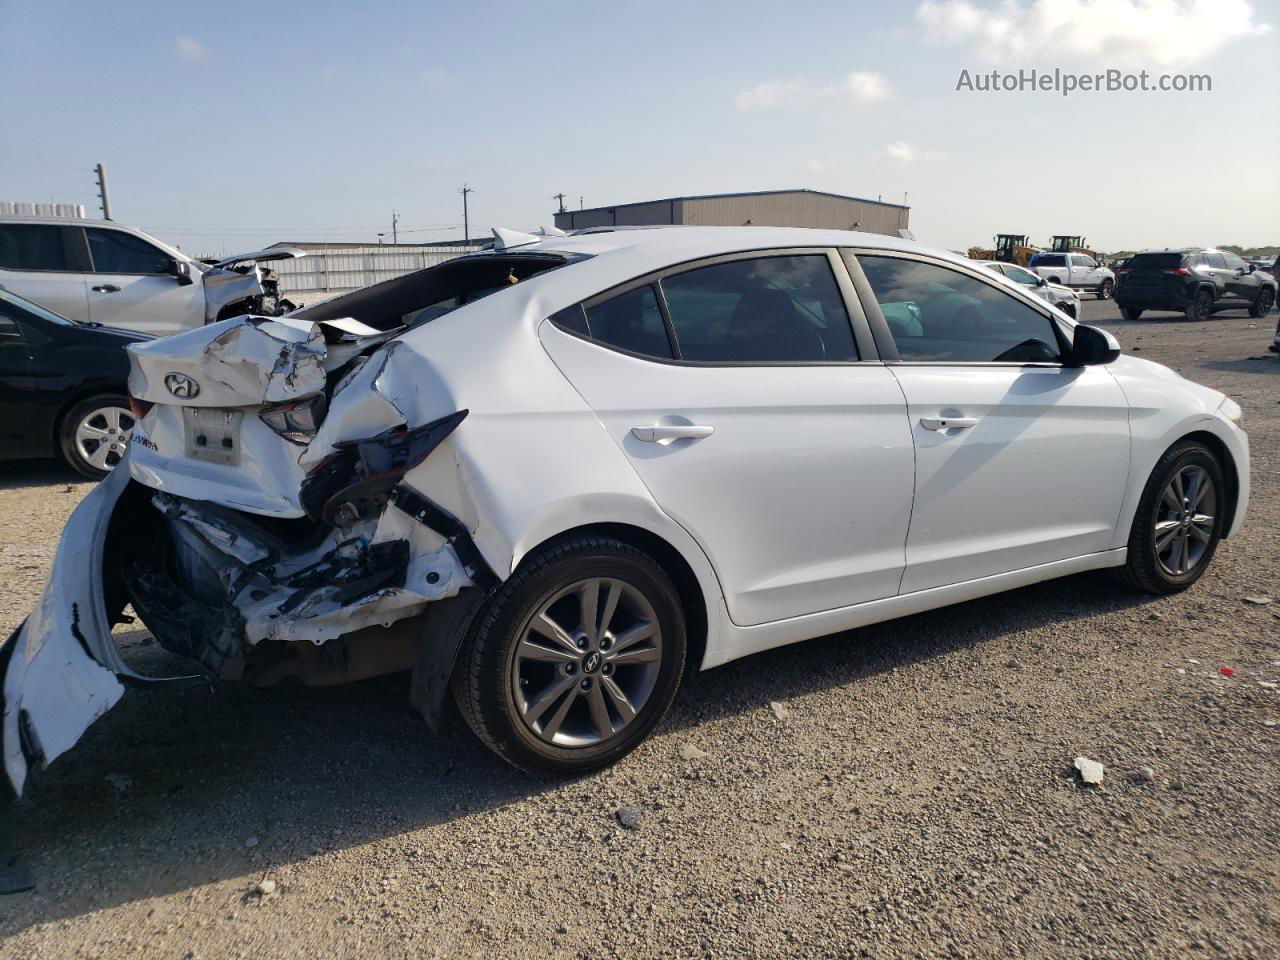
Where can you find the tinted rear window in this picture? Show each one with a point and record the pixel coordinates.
(31, 246)
(1156, 261)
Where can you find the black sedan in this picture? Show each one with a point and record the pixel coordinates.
(63, 387)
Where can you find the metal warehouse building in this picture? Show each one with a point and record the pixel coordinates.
(773, 208)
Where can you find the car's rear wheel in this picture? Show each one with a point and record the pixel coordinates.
(1105, 288)
(95, 434)
(575, 659)
(1131, 313)
(1179, 521)
(1201, 305)
(1068, 308)
(1262, 303)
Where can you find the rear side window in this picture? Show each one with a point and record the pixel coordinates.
(117, 252)
(631, 321)
(31, 246)
(762, 310)
(940, 315)
(1051, 260)
(1155, 261)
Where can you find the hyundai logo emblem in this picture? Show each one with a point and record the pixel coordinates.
(181, 386)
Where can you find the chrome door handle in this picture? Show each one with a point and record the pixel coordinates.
(106, 288)
(948, 423)
(672, 431)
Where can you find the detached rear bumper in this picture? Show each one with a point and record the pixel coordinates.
(61, 666)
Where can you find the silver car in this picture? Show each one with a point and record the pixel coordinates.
(1064, 298)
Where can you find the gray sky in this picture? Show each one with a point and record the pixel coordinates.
(234, 125)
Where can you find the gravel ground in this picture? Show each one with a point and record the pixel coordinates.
(903, 790)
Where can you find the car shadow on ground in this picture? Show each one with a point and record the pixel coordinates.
(16, 474)
(163, 793)
(1263, 363)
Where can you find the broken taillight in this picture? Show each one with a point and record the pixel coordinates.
(296, 420)
(138, 407)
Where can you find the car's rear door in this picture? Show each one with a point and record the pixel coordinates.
(758, 420)
(41, 262)
(1020, 459)
(19, 420)
(132, 285)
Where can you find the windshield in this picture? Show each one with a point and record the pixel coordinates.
(35, 309)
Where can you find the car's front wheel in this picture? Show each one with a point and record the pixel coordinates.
(1131, 313)
(1105, 288)
(1262, 303)
(95, 434)
(1179, 521)
(575, 659)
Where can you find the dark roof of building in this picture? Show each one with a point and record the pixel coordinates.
(718, 196)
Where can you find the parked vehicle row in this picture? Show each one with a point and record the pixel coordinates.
(551, 476)
(1064, 298)
(99, 271)
(1195, 281)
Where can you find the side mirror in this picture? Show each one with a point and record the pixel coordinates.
(1253, 267)
(1091, 347)
(1041, 282)
(182, 270)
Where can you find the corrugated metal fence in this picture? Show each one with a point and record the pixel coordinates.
(338, 270)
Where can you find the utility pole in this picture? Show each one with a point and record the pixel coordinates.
(560, 197)
(102, 192)
(466, 223)
(394, 220)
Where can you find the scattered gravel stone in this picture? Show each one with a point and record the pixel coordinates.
(1014, 665)
(266, 888)
(1090, 771)
(119, 781)
(1143, 775)
(629, 816)
(780, 710)
(1257, 601)
(691, 751)
(251, 842)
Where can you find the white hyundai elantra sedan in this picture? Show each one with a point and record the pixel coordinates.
(552, 476)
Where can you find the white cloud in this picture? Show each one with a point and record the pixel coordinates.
(907, 153)
(189, 49)
(861, 86)
(1128, 34)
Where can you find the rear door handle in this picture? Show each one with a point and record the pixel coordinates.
(672, 431)
(106, 288)
(948, 423)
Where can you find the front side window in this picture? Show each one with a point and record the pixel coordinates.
(31, 246)
(1233, 262)
(1024, 277)
(1080, 260)
(631, 321)
(761, 310)
(937, 314)
(116, 252)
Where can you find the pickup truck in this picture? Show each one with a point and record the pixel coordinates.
(1075, 270)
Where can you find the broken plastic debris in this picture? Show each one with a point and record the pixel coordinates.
(1227, 672)
(1257, 601)
(1091, 771)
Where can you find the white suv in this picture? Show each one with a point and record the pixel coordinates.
(98, 271)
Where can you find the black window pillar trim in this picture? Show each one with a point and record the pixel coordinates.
(877, 326)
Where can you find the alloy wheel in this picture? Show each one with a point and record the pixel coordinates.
(1185, 520)
(1204, 305)
(102, 436)
(1104, 292)
(586, 663)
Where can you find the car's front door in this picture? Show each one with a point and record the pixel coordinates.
(1021, 460)
(1242, 283)
(736, 391)
(133, 286)
(41, 262)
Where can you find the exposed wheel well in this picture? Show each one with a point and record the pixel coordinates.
(1229, 470)
(677, 568)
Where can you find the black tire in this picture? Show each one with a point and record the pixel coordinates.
(1105, 288)
(1131, 313)
(1144, 570)
(1069, 309)
(114, 445)
(1201, 306)
(1262, 304)
(1057, 280)
(483, 684)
